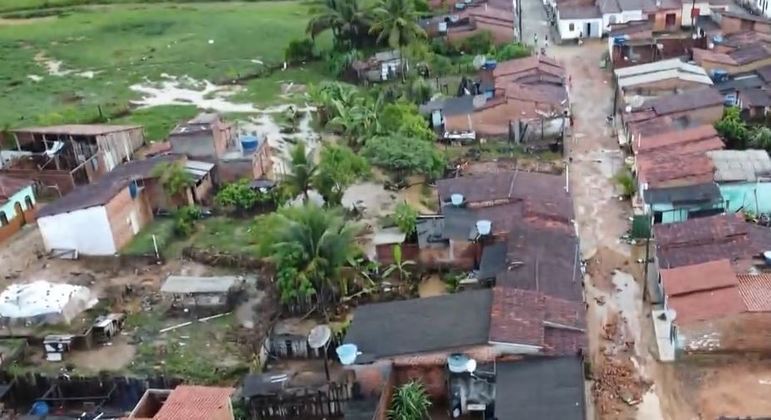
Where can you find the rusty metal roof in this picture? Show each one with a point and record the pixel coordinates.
(77, 129)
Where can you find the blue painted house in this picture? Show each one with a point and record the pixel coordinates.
(744, 179)
(678, 204)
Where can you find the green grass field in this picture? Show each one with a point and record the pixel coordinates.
(132, 43)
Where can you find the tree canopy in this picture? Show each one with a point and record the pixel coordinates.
(405, 155)
(308, 245)
(396, 23)
(339, 167)
(302, 170)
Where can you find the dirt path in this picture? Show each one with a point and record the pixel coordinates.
(616, 314)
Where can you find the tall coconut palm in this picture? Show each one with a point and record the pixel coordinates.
(344, 18)
(396, 22)
(311, 245)
(302, 171)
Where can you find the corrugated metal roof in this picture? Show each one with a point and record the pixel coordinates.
(698, 277)
(77, 129)
(740, 165)
(188, 284)
(755, 290)
(639, 79)
(658, 66)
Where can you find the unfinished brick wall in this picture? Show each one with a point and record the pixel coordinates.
(62, 180)
(127, 214)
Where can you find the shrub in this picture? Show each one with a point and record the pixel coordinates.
(479, 43)
(184, 220)
(300, 50)
(512, 51)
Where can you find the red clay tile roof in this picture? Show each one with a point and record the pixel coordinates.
(698, 277)
(505, 186)
(708, 239)
(675, 169)
(554, 95)
(707, 305)
(511, 69)
(686, 101)
(190, 402)
(532, 318)
(755, 290)
(672, 139)
(10, 186)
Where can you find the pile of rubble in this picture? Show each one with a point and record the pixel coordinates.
(617, 383)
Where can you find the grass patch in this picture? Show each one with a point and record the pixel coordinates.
(159, 121)
(169, 244)
(200, 353)
(265, 90)
(226, 234)
(129, 44)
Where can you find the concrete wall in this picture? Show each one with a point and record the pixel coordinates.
(623, 17)
(730, 25)
(704, 10)
(88, 231)
(127, 216)
(750, 196)
(61, 180)
(20, 197)
(579, 25)
(194, 145)
(660, 22)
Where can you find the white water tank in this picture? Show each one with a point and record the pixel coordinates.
(456, 199)
(484, 227)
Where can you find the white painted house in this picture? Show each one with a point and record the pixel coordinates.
(575, 22)
(620, 11)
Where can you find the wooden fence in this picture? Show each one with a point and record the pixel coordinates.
(305, 404)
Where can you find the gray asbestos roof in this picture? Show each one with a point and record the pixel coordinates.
(185, 284)
(661, 70)
(740, 165)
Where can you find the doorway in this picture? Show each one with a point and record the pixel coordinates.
(588, 30)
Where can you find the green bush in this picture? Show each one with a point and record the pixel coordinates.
(184, 220)
(300, 50)
(479, 43)
(512, 51)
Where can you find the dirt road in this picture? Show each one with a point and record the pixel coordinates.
(621, 362)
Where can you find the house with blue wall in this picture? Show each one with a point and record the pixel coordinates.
(17, 198)
(744, 179)
(678, 204)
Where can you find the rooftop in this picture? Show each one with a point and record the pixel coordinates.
(754, 98)
(569, 11)
(512, 70)
(421, 325)
(686, 101)
(106, 187)
(195, 403)
(77, 129)
(704, 239)
(675, 169)
(755, 290)
(189, 284)
(660, 70)
(699, 193)
(478, 317)
(673, 139)
(540, 388)
(698, 277)
(9, 186)
(706, 305)
(506, 186)
(740, 165)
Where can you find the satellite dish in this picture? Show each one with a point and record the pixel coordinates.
(479, 101)
(479, 61)
(319, 336)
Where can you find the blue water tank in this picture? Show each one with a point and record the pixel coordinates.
(249, 143)
(40, 408)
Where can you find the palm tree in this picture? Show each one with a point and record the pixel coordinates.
(344, 18)
(303, 170)
(310, 245)
(399, 266)
(409, 402)
(396, 22)
(356, 120)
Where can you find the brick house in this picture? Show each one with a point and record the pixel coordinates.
(413, 338)
(208, 138)
(100, 218)
(189, 402)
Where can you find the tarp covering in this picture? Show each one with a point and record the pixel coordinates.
(45, 302)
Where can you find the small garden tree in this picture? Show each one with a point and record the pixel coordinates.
(406, 218)
(237, 197)
(733, 129)
(405, 156)
(409, 402)
(399, 266)
(339, 167)
(302, 170)
(174, 179)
